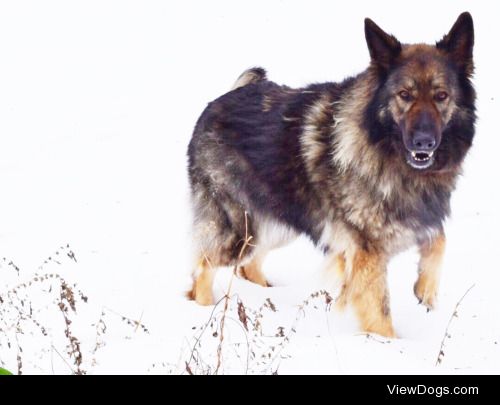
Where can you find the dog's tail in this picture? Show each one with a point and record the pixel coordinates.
(249, 76)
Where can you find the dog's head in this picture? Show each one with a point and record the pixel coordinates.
(424, 104)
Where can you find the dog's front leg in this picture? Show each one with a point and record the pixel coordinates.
(427, 285)
(365, 287)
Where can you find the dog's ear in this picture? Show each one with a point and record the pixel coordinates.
(384, 48)
(459, 42)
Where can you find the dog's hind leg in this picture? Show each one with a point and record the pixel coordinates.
(222, 231)
(227, 253)
(252, 271)
(366, 288)
(270, 235)
(203, 278)
(427, 284)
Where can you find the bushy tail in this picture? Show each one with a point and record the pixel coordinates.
(249, 76)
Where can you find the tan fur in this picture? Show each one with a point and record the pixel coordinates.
(267, 103)
(350, 140)
(203, 279)
(315, 121)
(422, 82)
(253, 271)
(271, 235)
(427, 285)
(337, 266)
(366, 289)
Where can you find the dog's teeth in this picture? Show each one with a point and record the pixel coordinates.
(421, 156)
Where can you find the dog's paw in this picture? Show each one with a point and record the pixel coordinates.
(426, 290)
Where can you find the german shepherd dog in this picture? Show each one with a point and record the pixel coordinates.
(365, 168)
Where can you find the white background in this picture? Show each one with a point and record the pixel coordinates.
(98, 100)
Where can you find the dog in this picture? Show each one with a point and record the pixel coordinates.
(365, 168)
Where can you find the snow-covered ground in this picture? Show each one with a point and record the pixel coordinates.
(97, 103)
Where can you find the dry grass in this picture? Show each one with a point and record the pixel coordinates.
(251, 344)
(447, 334)
(40, 322)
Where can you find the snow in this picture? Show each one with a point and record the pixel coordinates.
(98, 100)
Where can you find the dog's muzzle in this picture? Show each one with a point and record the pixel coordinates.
(421, 153)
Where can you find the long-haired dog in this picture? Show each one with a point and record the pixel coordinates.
(364, 167)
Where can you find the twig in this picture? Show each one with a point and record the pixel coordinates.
(198, 339)
(139, 322)
(63, 359)
(339, 365)
(453, 315)
(237, 322)
(132, 322)
(52, 359)
(19, 350)
(293, 329)
(246, 243)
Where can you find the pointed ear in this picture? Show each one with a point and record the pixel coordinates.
(459, 42)
(384, 48)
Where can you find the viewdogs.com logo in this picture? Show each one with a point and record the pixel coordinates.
(433, 391)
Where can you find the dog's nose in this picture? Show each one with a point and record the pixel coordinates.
(424, 141)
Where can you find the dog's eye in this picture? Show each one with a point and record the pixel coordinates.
(405, 95)
(441, 96)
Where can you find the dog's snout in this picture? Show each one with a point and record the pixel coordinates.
(424, 141)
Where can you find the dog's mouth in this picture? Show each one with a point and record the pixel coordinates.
(420, 160)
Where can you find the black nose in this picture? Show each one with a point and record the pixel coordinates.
(424, 141)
